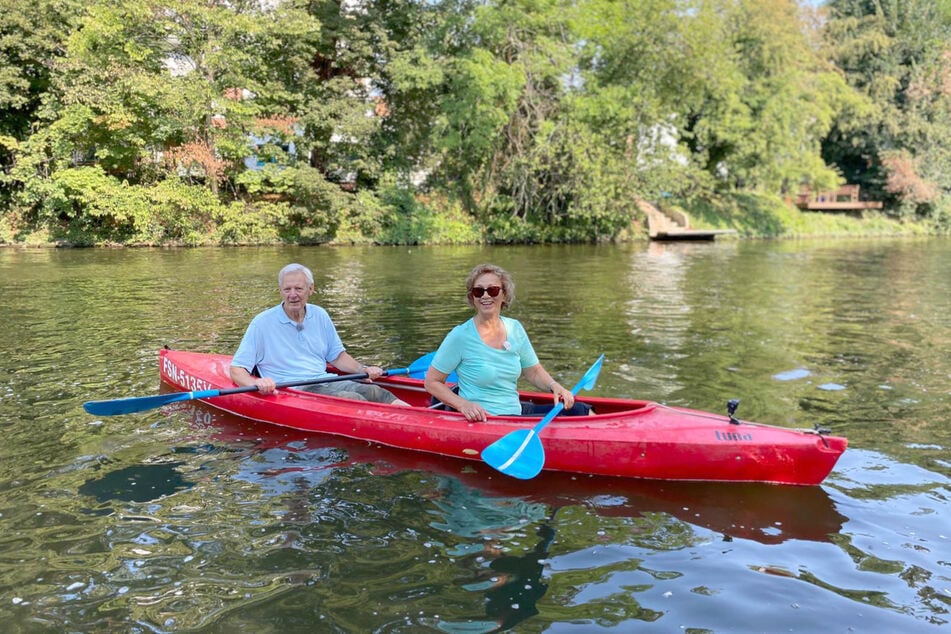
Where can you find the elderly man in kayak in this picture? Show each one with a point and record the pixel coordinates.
(294, 341)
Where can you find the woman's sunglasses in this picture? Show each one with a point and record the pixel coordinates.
(493, 291)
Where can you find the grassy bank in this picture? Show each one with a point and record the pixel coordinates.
(761, 216)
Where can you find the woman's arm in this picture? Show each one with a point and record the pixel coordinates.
(540, 378)
(436, 385)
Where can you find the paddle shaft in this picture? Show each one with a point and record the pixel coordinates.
(142, 403)
(326, 379)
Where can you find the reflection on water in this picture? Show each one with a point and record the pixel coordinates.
(473, 499)
(185, 518)
(139, 483)
(512, 585)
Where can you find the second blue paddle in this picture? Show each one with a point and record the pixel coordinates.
(520, 453)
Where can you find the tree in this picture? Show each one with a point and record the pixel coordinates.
(32, 41)
(152, 91)
(515, 130)
(763, 99)
(898, 55)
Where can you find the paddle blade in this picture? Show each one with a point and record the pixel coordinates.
(519, 454)
(134, 404)
(417, 369)
(590, 377)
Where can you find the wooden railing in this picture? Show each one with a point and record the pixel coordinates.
(845, 198)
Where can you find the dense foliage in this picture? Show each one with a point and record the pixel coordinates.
(402, 121)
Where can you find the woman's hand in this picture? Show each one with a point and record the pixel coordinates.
(436, 385)
(473, 412)
(563, 394)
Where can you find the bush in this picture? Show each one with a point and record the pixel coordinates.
(412, 221)
(84, 205)
(178, 213)
(258, 223)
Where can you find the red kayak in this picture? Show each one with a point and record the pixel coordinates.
(626, 438)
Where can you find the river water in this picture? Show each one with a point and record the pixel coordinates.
(186, 519)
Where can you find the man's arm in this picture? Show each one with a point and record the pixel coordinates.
(347, 364)
(243, 378)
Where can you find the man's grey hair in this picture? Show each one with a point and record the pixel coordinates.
(294, 268)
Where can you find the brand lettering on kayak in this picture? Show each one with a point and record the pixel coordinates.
(184, 379)
(732, 436)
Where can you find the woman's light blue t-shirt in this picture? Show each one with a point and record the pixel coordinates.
(487, 376)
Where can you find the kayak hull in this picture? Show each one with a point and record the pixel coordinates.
(626, 438)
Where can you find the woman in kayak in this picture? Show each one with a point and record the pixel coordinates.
(489, 353)
(294, 341)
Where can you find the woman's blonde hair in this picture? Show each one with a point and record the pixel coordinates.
(508, 284)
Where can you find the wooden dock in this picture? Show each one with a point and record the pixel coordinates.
(847, 198)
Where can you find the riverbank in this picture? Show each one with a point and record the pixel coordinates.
(746, 216)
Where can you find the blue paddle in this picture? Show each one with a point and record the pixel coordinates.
(520, 453)
(130, 405)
